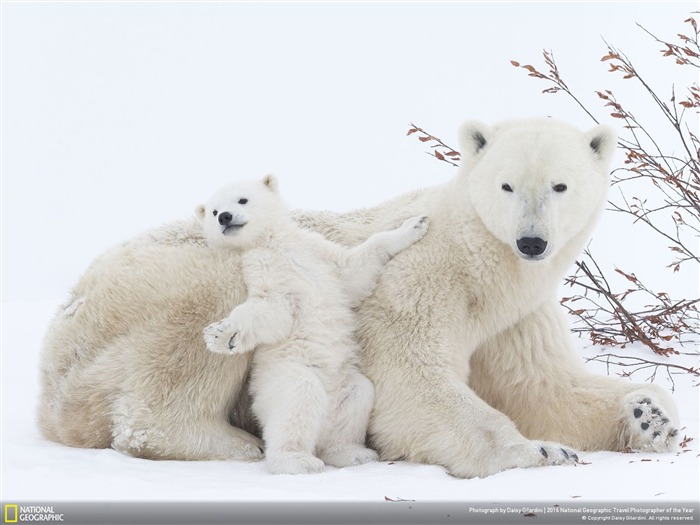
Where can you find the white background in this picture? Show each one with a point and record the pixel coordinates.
(117, 117)
(121, 116)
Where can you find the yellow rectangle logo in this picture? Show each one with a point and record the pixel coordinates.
(10, 511)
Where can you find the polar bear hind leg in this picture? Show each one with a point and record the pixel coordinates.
(530, 373)
(342, 443)
(290, 403)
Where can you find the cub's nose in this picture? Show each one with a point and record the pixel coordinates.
(532, 246)
(225, 218)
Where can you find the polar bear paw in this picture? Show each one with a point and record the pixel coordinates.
(294, 463)
(554, 454)
(411, 231)
(349, 457)
(224, 337)
(519, 454)
(649, 425)
(415, 228)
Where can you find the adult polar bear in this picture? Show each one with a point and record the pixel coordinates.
(463, 336)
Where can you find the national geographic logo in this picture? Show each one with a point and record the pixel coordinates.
(11, 513)
(30, 514)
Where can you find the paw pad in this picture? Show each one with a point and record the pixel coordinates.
(650, 427)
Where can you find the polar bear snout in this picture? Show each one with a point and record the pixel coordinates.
(531, 247)
(230, 223)
(225, 218)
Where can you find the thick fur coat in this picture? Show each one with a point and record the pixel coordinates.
(312, 402)
(463, 336)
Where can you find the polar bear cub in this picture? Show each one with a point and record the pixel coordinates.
(308, 394)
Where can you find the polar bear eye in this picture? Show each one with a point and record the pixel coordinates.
(560, 188)
(214, 213)
(506, 187)
(242, 201)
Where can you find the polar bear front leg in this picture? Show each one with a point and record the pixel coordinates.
(439, 420)
(362, 264)
(257, 321)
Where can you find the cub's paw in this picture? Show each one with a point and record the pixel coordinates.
(554, 453)
(222, 337)
(294, 463)
(415, 227)
(650, 425)
(349, 457)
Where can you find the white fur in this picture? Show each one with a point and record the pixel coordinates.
(463, 338)
(308, 393)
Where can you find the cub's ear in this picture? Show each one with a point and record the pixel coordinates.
(199, 211)
(602, 140)
(271, 182)
(474, 136)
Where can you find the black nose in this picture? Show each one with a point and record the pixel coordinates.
(225, 218)
(532, 246)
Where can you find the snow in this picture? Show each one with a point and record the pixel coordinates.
(39, 470)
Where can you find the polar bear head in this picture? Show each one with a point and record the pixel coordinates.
(536, 184)
(241, 213)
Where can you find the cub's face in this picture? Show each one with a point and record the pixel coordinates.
(536, 185)
(239, 214)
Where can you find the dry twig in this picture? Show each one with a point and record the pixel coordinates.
(672, 211)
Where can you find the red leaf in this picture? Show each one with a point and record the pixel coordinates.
(439, 155)
(516, 64)
(632, 278)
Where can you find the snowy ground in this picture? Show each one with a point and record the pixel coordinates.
(35, 470)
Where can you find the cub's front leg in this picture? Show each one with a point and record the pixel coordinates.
(362, 264)
(257, 321)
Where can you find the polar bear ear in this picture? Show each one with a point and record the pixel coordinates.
(603, 141)
(271, 182)
(473, 137)
(199, 211)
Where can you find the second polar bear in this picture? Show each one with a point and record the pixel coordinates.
(308, 394)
